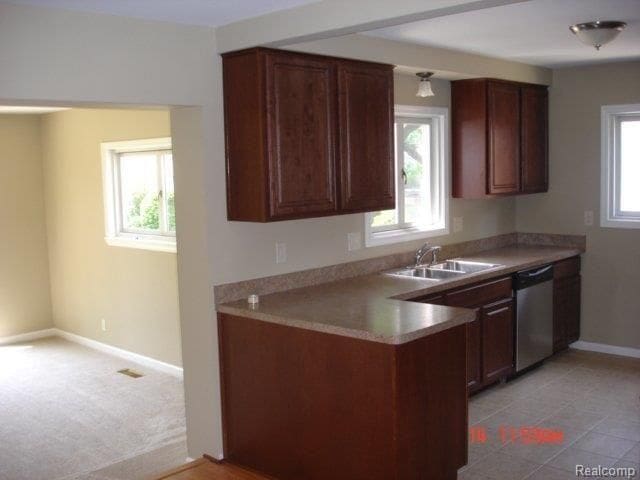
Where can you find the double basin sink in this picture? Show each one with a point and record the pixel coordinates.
(444, 270)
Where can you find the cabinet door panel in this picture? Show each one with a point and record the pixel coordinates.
(534, 125)
(573, 308)
(367, 176)
(503, 102)
(474, 354)
(560, 304)
(301, 134)
(566, 311)
(497, 340)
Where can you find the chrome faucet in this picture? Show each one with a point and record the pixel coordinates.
(424, 250)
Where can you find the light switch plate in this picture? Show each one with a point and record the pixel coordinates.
(281, 252)
(588, 218)
(354, 241)
(457, 224)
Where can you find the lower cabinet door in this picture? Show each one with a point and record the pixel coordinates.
(474, 358)
(566, 311)
(572, 312)
(560, 304)
(497, 340)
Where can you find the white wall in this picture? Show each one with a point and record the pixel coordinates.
(72, 57)
(135, 291)
(611, 265)
(25, 303)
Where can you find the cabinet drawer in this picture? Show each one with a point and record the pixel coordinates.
(481, 294)
(566, 268)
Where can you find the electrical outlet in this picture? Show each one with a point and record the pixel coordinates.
(281, 252)
(354, 241)
(103, 324)
(588, 218)
(457, 224)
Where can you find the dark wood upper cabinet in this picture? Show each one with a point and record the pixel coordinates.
(533, 133)
(504, 138)
(499, 138)
(301, 130)
(366, 137)
(306, 135)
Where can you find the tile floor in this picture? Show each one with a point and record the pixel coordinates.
(593, 399)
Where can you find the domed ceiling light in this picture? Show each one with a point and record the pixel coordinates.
(424, 87)
(597, 33)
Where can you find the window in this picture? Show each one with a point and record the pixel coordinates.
(620, 195)
(139, 195)
(422, 178)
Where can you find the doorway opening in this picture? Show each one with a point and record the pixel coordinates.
(89, 291)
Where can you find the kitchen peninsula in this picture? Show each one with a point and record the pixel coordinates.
(349, 380)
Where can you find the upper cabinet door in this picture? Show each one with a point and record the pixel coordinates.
(503, 104)
(301, 126)
(534, 123)
(367, 179)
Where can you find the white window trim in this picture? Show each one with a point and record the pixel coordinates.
(610, 216)
(440, 118)
(114, 237)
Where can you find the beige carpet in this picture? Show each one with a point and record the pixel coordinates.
(65, 413)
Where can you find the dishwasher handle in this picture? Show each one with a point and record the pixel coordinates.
(529, 278)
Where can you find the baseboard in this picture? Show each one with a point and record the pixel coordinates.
(119, 352)
(604, 348)
(28, 337)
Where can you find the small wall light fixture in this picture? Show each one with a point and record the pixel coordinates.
(424, 87)
(597, 33)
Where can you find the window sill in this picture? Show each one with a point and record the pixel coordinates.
(142, 244)
(404, 235)
(618, 222)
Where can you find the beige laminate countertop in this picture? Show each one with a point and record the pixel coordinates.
(374, 307)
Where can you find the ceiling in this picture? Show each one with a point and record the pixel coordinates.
(191, 12)
(534, 32)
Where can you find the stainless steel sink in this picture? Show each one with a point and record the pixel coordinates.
(429, 273)
(444, 270)
(464, 266)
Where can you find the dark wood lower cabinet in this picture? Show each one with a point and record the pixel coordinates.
(572, 320)
(566, 303)
(299, 404)
(474, 357)
(490, 338)
(566, 312)
(497, 340)
(490, 351)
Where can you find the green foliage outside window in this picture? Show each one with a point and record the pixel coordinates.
(145, 211)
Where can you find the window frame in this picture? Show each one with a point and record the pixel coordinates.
(115, 232)
(439, 123)
(610, 214)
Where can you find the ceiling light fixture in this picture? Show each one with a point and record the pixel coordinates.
(597, 33)
(424, 87)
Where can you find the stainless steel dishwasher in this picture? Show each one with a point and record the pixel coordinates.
(534, 321)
